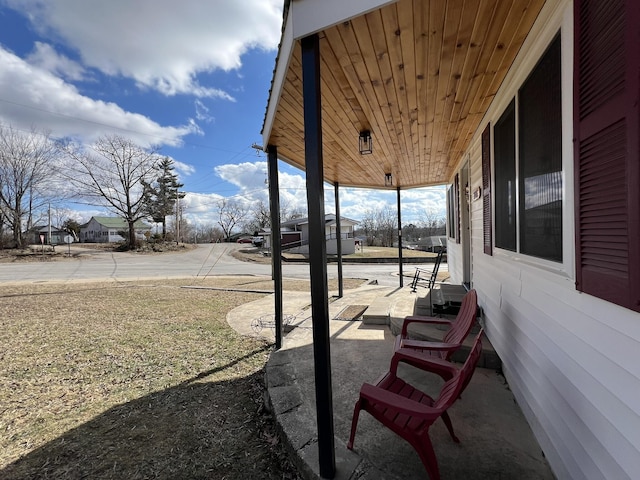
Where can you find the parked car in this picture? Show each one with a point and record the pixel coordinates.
(244, 240)
(257, 241)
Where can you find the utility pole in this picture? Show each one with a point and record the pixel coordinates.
(49, 223)
(177, 217)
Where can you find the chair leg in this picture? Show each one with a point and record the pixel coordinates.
(431, 301)
(354, 424)
(447, 421)
(424, 447)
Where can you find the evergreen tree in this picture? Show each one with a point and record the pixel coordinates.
(161, 194)
(73, 227)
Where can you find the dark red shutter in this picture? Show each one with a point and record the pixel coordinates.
(486, 191)
(450, 213)
(607, 150)
(456, 193)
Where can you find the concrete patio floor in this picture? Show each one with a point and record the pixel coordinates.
(496, 441)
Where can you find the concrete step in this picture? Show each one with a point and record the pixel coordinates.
(395, 305)
(445, 297)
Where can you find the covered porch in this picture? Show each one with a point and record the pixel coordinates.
(496, 441)
(383, 95)
(529, 112)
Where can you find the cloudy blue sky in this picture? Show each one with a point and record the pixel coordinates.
(188, 77)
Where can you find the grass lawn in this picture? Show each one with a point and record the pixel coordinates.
(132, 380)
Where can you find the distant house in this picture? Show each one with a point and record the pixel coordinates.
(432, 244)
(40, 235)
(106, 230)
(294, 235)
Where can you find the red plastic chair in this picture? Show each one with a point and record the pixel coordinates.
(453, 337)
(409, 412)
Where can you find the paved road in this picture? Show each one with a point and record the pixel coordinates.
(207, 259)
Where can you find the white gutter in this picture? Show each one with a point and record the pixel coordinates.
(284, 57)
(311, 16)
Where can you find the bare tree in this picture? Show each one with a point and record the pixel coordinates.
(368, 226)
(211, 233)
(259, 216)
(188, 230)
(230, 214)
(409, 232)
(431, 222)
(111, 174)
(59, 215)
(379, 226)
(27, 162)
(289, 212)
(4, 225)
(387, 225)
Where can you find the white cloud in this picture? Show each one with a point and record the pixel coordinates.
(354, 202)
(418, 202)
(200, 203)
(202, 112)
(45, 57)
(184, 169)
(83, 213)
(33, 96)
(161, 44)
(248, 177)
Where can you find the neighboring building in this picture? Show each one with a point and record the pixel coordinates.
(294, 235)
(431, 244)
(57, 235)
(106, 230)
(536, 132)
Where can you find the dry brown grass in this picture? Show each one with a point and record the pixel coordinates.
(132, 380)
(46, 253)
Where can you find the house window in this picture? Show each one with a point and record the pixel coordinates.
(528, 173)
(453, 209)
(504, 140)
(487, 230)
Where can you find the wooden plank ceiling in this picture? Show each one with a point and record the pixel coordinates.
(418, 74)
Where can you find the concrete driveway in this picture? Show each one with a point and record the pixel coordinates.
(205, 260)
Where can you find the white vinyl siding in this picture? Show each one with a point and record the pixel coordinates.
(570, 359)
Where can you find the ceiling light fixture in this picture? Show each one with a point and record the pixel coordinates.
(365, 142)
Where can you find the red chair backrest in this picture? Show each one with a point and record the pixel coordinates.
(465, 319)
(452, 389)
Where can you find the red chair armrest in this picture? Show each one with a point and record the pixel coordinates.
(396, 402)
(417, 359)
(425, 345)
(422, 319)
